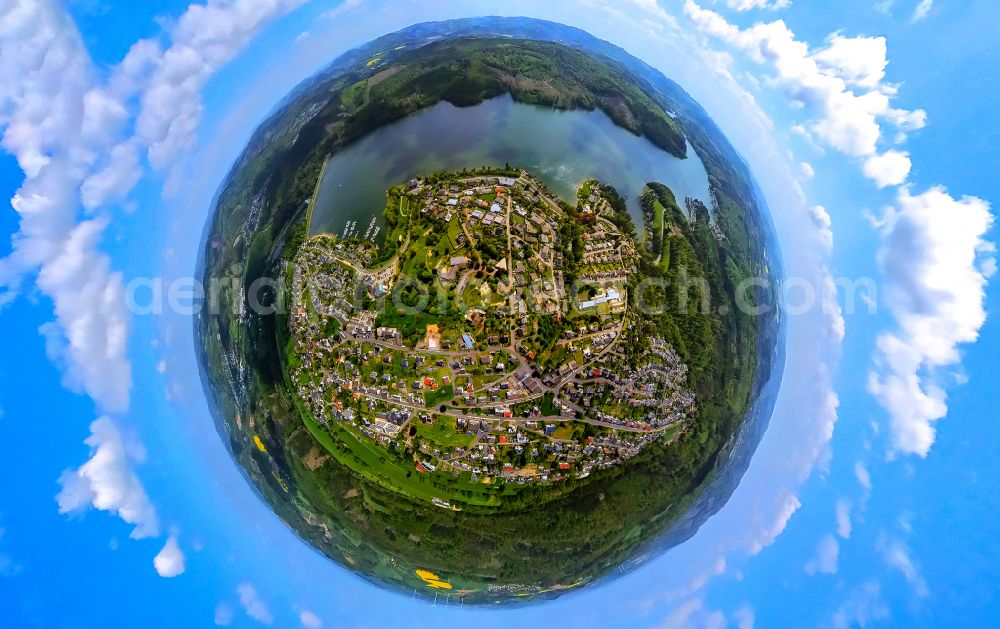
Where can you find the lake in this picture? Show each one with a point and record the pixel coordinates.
(562, 148)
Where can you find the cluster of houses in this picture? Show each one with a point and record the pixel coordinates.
(604, 245)
(650, 396)
(527, 452)
(449, 201)
(379, 390)
(538, 265)
(364, 376)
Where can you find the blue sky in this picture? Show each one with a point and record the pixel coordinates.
(861, 506)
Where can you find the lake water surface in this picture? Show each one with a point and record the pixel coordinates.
(563, 148)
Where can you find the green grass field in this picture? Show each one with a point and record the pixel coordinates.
(443, 433)
(381, 469)
(658, 217)
(442, 395)
(672, 431)
(563, 432)
(548, 407)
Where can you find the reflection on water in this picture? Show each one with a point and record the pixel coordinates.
(561, 147)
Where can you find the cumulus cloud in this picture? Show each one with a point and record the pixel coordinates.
(897, 556)
(107, 482)
(64, 128)
(864, 606)
(252, 605)
(51, 117)
(115, 179)
(694, 613)
(807, 170)
(342, 8)
(883, 6)
(169, 562)
(310, 620)
(821, 221)
(843, 518)
(746, 5)
(223, 615)
(744, 617)
(887, 169)
(203, 39)
(650, 7)
(825, 561)
(921, 10)
(932, 249)
(70, 134)
(8, 567)
(840, 86)
(859, 61)
(932, 254)
(90, 306)
(863, 477)
(787, 505)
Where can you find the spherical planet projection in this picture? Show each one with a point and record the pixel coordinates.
(492, 311)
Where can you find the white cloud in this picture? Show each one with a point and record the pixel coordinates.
(65, 130)
(787, 505)
(825, 561)
(342, 8)
(693, 613)
(45, 74)
(203, 39)
(62, 127)
(802, 131)
(252, 605)
(843, 518)
(807, 170)
(651, 7)
(859, 61)
(864, 606)
(114, 181)
(104, 116)
(815, 451)
(310, 620)
(921, 10)
(90, 308)
(840, 86)
(883, 6)
(897, 555)
(863, 477)
(108, 483)
(51, 117)
(888, 169)
(836, 325)
(746, 5)
(744, 617)
(169, 562)
(223, 615)
(821, 220)
(932, 250)
(932, 254)
(8, 567)
(988, 267)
